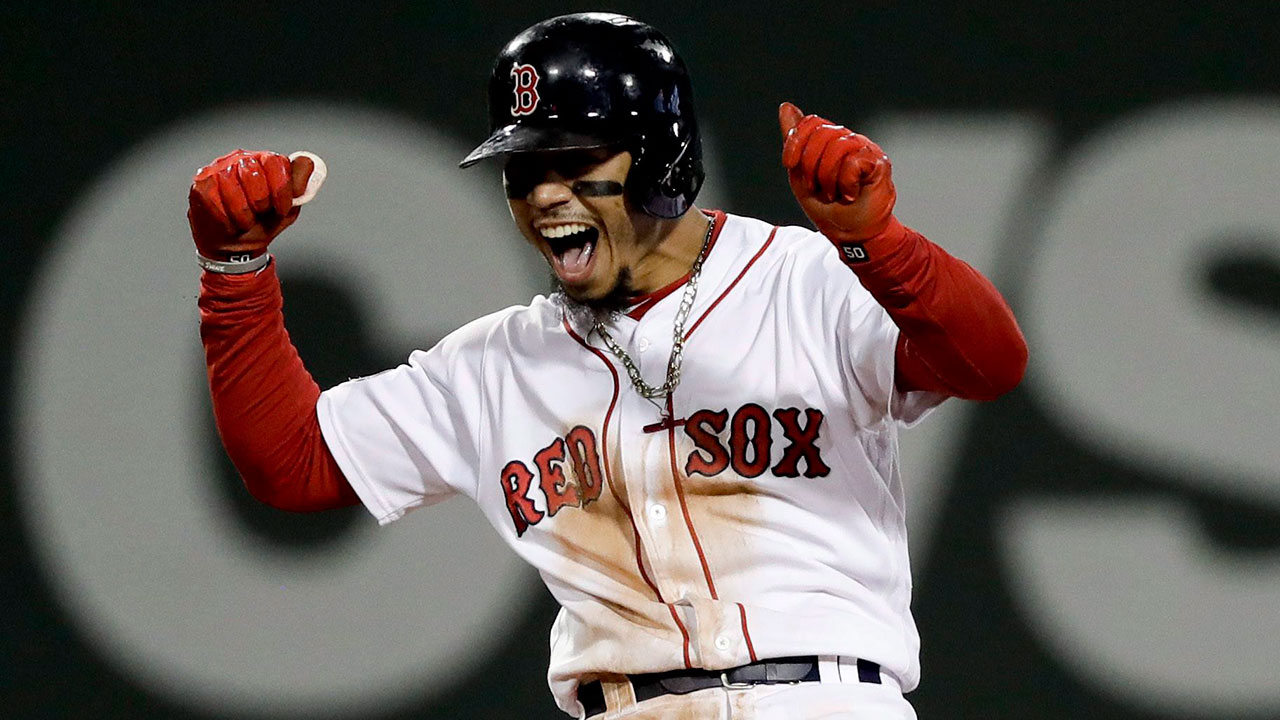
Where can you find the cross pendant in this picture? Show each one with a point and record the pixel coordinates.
(666, 423)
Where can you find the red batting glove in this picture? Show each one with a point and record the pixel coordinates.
(842, 180)
(243, 200)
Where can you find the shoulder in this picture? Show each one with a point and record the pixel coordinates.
(805, 245)
(788, 248)
(783, 240)
(459, 359)
(502, 329)
(795, 263)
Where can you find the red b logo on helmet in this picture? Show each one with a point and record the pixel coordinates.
(526, 89)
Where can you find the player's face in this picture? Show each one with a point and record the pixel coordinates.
(571, 206)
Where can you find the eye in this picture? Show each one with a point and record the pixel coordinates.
(576, 163)
(523, 172)
(520, 177)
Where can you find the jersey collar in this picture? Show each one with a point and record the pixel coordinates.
(646, 302)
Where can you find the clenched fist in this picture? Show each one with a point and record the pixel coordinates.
(842, 180)
(239, 203)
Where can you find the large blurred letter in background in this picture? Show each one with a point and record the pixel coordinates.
(1143, 363)
(149, 559)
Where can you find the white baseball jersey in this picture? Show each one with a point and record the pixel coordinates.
(765, 521)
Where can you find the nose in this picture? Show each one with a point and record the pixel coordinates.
(550, 191)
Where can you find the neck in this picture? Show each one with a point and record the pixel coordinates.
(675, 245)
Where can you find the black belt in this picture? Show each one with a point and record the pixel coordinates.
(680, 682)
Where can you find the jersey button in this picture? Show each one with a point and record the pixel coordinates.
(723, 642)
(642, 344)
(658, 513)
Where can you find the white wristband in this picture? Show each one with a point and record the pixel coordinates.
(234, 266)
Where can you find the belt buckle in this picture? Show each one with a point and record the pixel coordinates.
(724, 681)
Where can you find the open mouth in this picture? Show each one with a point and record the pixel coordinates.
(573, 248)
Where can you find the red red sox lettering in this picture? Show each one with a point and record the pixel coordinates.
(749, 452)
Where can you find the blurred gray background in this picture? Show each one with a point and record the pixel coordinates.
(1104, 542)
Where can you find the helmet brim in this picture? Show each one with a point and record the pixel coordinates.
(516, 138)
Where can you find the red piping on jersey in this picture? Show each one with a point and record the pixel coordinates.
(733, 284)
(684, 508)
(608, 477)
(608, 474)
(746, 633)
(687, 663)
(645, 302)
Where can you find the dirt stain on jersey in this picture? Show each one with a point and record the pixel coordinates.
(601, 536)
(725, 512)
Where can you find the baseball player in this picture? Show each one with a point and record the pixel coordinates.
(693, 440)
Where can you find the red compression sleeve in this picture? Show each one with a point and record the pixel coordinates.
(959, 337)
(264, 400)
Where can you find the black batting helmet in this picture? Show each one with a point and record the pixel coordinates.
(593, 80)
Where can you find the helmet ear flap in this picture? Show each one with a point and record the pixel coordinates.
(670, 194)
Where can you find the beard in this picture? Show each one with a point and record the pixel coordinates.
(617, 300)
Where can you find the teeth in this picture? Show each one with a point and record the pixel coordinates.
(559, 231)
